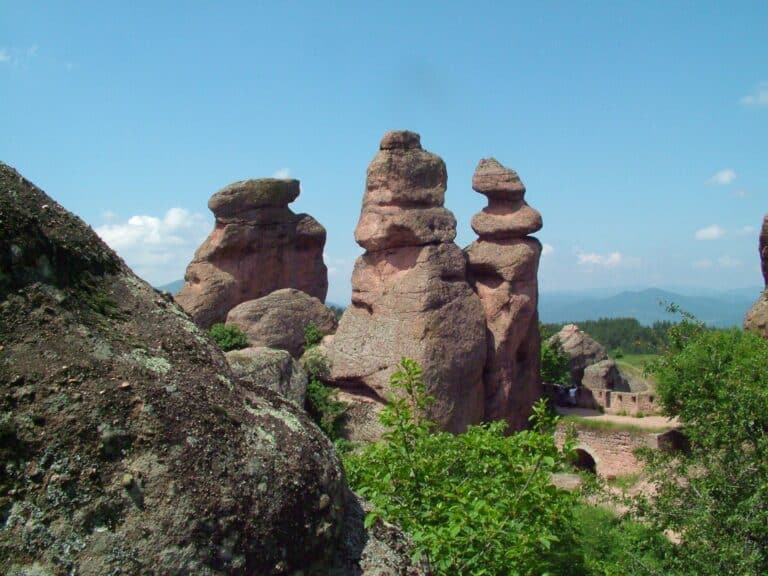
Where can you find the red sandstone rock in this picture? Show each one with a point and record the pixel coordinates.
(258, 245)
(581, 348)
(756, 319)
(278, 320)
(410, 295)
(503, 267)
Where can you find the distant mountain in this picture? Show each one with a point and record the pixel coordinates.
(648, 306)
(722, 309)
(172, 287)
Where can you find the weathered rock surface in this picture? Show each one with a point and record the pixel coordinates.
(278, 320)
(270, 368)
(127, 444)
(410, 296)
(258, 245)
(756, 319)
(581, 348)
(605, 375)
(502, 267)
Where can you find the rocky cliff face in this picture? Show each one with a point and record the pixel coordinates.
(757, 316)
(503, 266)
(410, 296)
(127, 444)
(258, 245)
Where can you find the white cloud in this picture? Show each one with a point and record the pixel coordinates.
(728, 262)
(710, 233)
(746, 231)
(723, 177)
(4, 55)
(158, 249)
(282, 173)
(720, 263)
(757, 98)
(741, 193)
(547, 249)
(605, 260)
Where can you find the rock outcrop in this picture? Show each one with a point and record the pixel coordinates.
(581, 348)
(127, 444)
(278, 320)
(258, 245)
(270, 368)
(605, 375)
(756, 319)
(503, 266)
(410, 296)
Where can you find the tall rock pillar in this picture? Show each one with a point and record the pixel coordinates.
(410, 295)
(502, 268)
(257, 246)
(756, 319)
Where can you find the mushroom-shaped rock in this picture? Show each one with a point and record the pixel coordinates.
(410, 296)
(258, 245)
(502, 268)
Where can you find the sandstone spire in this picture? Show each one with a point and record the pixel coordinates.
(258, 245)
(502, 268)
(757, 316)
(410, 296)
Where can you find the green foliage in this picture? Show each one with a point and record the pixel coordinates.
(323, 408)
(321, 403)
(614, 546)
(479, 502)
(312, 335)
(715, 496)
(228, 337)
(624, 334)
(554, 363)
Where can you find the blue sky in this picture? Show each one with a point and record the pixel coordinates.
(639, 128)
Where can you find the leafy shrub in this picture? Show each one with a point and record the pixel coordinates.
(228, 337)
(312, 336)
(479, 502)
(321, 403)
(554, 364)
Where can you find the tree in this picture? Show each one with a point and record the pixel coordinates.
(554, 363)
(714, 496)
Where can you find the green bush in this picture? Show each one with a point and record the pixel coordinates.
(312, 336)
(228, 337)
(480, 502)
(554, 364)
(321, 403)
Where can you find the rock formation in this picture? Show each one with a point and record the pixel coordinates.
(270, 368)
(410, 296)
(756, 319)
(581, 348)
(503, 266)
(605, 375)
(258, 245)
(127, 444)
(278, 320)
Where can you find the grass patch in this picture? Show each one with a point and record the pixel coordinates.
(625, 481)
(596, 424)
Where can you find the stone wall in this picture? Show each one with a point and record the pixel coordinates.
(612, 450)
(609, 401)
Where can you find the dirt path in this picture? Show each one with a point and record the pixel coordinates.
(648, 422)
